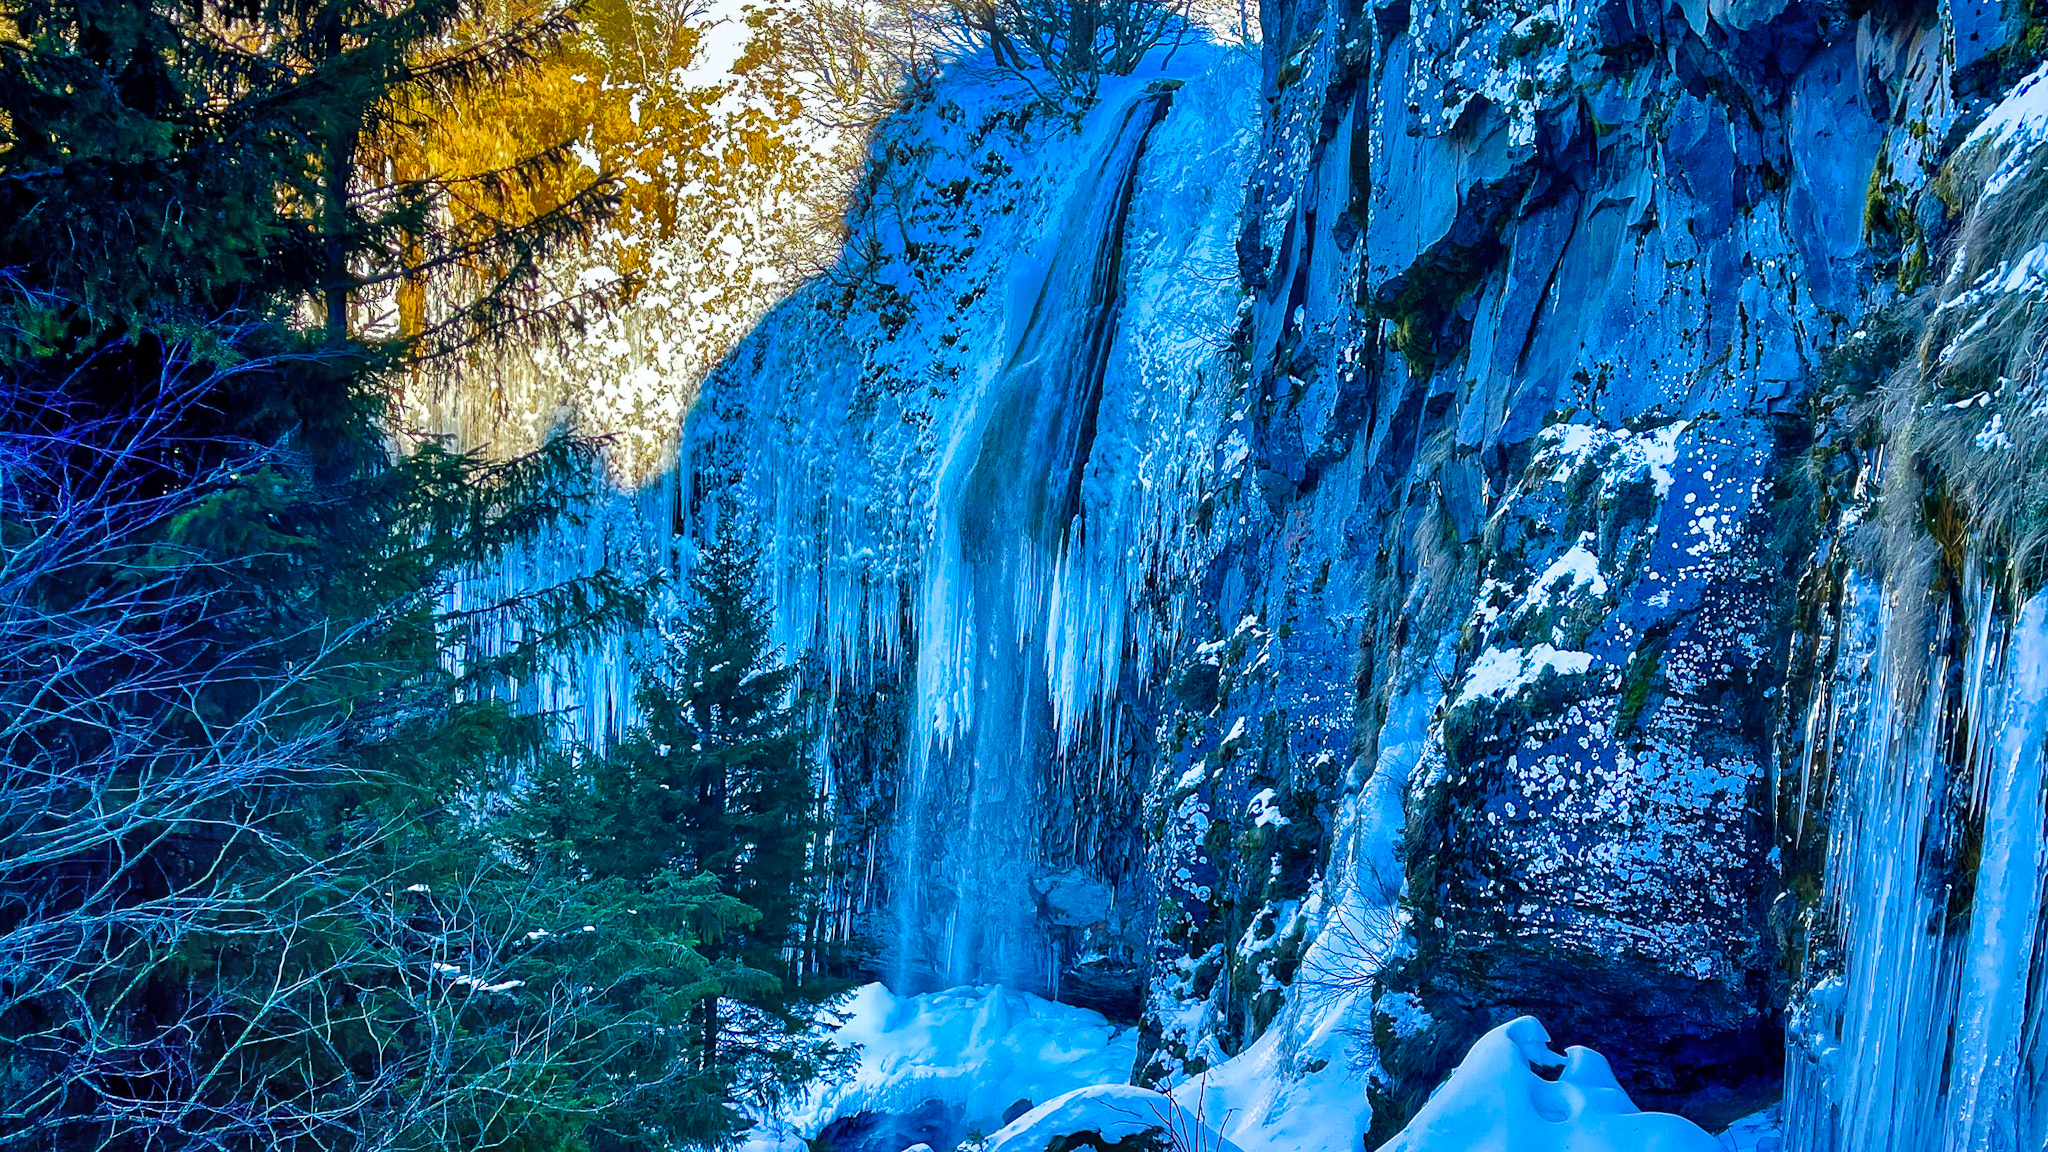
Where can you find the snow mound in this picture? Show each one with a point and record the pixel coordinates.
(981, 1049)
(1496, 1102)
(1112, 1113)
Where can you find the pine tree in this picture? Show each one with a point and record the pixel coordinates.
(718, 781)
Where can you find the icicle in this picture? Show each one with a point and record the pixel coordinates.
(1928, 1037)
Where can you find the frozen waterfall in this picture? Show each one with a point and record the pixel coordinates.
(973, 454)
(1007, 505)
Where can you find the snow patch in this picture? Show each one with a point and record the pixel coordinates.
(1503, 673)
(979, 1048)
(1577, 569)
(1264, 809)
(1497, 1102)
(1563, 448)
(2019, 123)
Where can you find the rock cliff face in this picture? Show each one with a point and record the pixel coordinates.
(1548, 293)
(1550, 284)
(1421, 611)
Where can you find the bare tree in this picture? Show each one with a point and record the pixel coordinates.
(1360, 932)
(1064, 48)
(188, 957)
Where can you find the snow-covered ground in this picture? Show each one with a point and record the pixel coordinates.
(1113, 1113)
(989, 1050)
(981, 1049)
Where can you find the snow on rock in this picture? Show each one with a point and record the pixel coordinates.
(1577, 568)
(1113, 1113)
(1503, 673)
(1298, 1088)
(1496, 1101)
(981, 1049)
(1563, 448)
(2018, 124)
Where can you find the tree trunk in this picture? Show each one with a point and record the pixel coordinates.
(708, 1012)
(340, 159)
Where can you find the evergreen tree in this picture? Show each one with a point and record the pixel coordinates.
(247, 899)
(718, 782)
(192, 166)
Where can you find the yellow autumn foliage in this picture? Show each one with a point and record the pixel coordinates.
(729, 139)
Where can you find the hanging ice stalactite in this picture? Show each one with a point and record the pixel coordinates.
(1927, 1033)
